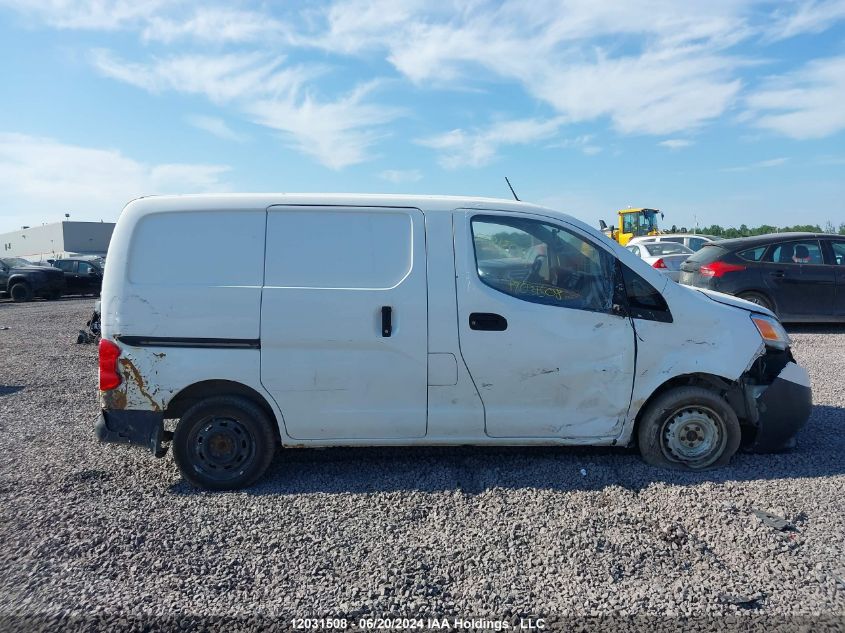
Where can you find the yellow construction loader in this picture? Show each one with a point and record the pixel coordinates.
(632, 223)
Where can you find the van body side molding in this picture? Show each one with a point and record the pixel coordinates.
(170, 341)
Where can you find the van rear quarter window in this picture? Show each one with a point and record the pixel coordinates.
(345, 248)
(201, 248)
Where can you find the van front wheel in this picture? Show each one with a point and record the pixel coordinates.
(223, 443)
(689, 428)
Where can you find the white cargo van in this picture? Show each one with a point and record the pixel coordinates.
(324, 320)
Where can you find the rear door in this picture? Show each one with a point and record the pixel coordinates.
(88, 278)
(802, 285)
(547, 355)
(344, 321)
(69, 268)
(837, 260)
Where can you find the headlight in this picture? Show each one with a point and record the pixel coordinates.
(772, 331)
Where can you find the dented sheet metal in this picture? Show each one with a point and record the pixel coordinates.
(782, 409)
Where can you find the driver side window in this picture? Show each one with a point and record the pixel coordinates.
(542, 263)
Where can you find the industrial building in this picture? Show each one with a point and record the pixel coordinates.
(57, 240)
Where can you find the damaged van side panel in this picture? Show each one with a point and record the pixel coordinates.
(699, 343)
(152, 376)
(174, 285)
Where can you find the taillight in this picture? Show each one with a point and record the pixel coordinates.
(659, 264)
(717, 269)
(109, 353)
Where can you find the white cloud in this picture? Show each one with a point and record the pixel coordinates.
(476, 148)
(106, 15)
(805, 104)
(42, 179)
(216, 24)
(221, 78)
(399, 176)
(584, 143)
(806, 17)
(763, 164)
(556, 51)
(675, 143)
(337, 133)
(215, 126)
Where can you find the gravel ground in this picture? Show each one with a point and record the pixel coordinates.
(100, 535)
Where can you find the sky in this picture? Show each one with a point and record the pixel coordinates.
(726, 111)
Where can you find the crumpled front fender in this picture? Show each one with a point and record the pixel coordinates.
(781, 408)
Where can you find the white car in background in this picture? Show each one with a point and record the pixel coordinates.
(693, 241)
(666, 257)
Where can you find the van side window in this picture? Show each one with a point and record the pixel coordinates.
(644, 302)
(542, 263)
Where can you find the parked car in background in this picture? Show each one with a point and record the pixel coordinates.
(82, 276)
(692, 241)
(798, 276)
(664, 256)
(23, 281)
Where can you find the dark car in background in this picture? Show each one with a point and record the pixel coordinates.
(23, 281)
(799, 276)
(83, 276)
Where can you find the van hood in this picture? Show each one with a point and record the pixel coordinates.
(735, 302)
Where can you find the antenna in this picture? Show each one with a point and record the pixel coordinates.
(515, 197)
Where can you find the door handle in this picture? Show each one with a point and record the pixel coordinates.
(778, 273)
(487, 321)
(386, 321)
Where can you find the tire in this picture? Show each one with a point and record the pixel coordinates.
(759, 299)
(20, 292)
(224, 443)
(689, 428)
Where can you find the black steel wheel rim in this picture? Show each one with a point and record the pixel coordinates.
(221, 448)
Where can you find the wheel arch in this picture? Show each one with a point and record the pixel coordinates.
(728, 389)
(763, 292)
(199, 391)
(15, 279)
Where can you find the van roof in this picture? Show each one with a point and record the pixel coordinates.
(235, 201)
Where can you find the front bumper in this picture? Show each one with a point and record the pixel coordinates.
(138, 428)
(781, 408)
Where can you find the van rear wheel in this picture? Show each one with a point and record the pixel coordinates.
(689, 428)
(224, 443)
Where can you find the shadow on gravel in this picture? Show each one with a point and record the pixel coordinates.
(473, 470)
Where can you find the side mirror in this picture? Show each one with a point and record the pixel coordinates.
(602, 225)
